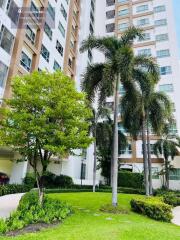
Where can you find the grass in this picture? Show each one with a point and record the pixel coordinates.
(88, 222)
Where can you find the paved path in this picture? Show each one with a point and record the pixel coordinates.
(8, 204)
(176, 214)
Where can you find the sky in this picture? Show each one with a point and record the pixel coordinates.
(177, 20)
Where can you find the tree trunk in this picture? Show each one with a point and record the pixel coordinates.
(95, 160)
(40, 188)
(115, 145)
(149, 160)
(166, 174)
(145, 160)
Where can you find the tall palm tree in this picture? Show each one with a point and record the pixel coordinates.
(146, 108)
(168, 146)
(105, 78)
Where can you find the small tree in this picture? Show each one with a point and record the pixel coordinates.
(46, 116)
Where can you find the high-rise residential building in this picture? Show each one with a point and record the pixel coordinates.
(43, 35)
(156, 18)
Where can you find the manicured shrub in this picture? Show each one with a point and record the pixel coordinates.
(130, 179)
(13, 188)
(51, 180)
(152, 207)
(30, 211)
(63, 181)
(172, 199)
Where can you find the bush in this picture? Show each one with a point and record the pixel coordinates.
(30, 211)
(51, 180)
(170, 197)
(30, 180)
(130, 179)
(152, 207)
(13, 188)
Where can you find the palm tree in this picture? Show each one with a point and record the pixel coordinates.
(142, 109)
(105, 78)
(168, 146)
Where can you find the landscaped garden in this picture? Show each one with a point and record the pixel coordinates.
(88, 222)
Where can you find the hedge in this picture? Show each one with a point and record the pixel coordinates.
(170, 197)
(130, 179)
(13, 188)
(152, 207)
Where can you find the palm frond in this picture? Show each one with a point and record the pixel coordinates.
(130, 35)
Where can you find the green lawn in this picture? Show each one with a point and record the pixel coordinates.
(87, 223)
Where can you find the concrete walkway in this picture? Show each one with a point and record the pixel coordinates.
(176, 214)
(8, 204)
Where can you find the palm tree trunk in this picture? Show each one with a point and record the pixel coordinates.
(115, 145)
(145, 160)
(149, 159)
(166, 174)
(95, 160)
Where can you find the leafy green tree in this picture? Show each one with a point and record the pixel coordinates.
(168, 147)
(104, 78)
(46, 116)
(144, 108)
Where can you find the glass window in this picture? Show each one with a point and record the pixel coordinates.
(174, 174)
(160, 8)
(142, 8)
(25, 61)
(163, 53)
(162, 37)
(30, 34)
(6, 39)
(45, 53)
(123, 12)
(161, 22)
(123, 26)
(166, 88)
(2, 2)
(155, 172)
(146, 37)
(56, 65)
(48, 31)
(146, 52)
(165, 70)
(3, 73)
(59, 48)
(63, 11)
(62, 29)
(51, 11)
(143, 22)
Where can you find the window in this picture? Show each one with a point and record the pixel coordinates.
(166, 88)
(163, 53)
(63, 11)
(173, 128)
(162, 37)
(161, 8)
(123, 26)
(6, 39)
(174, 174)
(123, 1)
(121, 128)
(45, 53)
(83, 171)
(25, 61)
(30, 34)
(61, 29)
(142, 8)
(48, 31)
(110, 3)
(146, 37)
(110, 27)
(34, 10)
(143, 22)
(155, 172)
(13, 11)
(127, 150)
(122, 91)
(161, 22)
(51, 11)
(3, 74)
(59, 47)
(123, 12)
(146, 52)
(56, 66)
(165, 70)
(110, 14)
